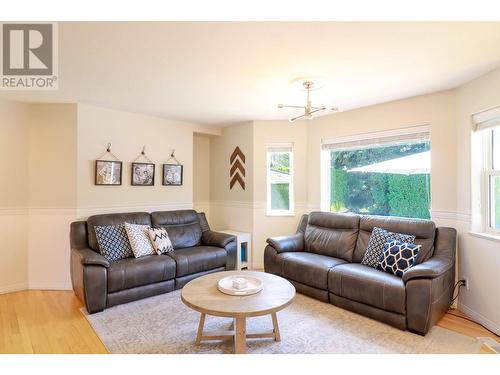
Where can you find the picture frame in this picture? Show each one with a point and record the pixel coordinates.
(108, 172)
(143, 174)
(172, 174)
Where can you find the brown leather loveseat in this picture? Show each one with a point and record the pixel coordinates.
(100, 284)
(323, 260)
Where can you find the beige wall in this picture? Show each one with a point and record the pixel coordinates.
(264, 226)
(52, 193)
(128, 133)
(14, 130)
(437, 110)
(201, 173)
(49, 180)
(479, 258)
(231, 208)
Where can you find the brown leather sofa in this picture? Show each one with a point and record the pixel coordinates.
(100, 284)
(323, 260)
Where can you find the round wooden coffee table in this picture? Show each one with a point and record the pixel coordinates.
(202, 295)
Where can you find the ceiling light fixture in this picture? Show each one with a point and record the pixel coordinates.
(309, 110)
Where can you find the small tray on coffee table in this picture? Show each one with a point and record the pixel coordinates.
(254, 285)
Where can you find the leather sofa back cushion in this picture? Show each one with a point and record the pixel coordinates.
(423, 230)
(331, 234)
(142, 218)
(183, 227)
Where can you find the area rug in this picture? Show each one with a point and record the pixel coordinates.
(163, 324)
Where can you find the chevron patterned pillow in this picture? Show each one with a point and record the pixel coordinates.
(160, 240)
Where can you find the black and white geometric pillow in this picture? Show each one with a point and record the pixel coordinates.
(398, 256)
(113, 242)
(160, 240)
(139, 239)
(376, 243)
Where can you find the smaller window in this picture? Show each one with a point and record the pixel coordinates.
(280, 179)
(493, 179)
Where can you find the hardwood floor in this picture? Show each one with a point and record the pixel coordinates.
(38, 321)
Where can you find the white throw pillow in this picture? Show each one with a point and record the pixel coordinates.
(160, 240)
(139, 239)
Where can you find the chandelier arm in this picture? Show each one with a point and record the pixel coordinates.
(296, 118)
(317, 110)
(293, 106)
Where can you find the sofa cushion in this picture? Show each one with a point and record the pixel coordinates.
(113, 219)
(139, 239)
(308, 268)
(376, 244)
(332, 234)
(423, 230)
(132, 272)
(113, 242)
(160, 240)
(398, 257)
(367, 285)
(183, 227)
(198, 259)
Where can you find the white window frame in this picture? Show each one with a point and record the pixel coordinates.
(488, 173)
(351, 139)
(275, 148)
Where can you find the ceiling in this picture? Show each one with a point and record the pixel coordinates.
(225, 72)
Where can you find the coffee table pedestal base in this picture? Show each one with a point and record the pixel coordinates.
(239, 334)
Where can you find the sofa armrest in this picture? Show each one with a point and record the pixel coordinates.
(224, 240)
(90, 257)
(211, 238)
(430, 269)
(284, 244)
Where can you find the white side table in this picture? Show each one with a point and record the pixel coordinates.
(243, 249)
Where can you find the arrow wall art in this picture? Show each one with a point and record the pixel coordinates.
(237, 171)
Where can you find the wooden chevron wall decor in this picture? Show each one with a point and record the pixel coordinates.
(237, 171)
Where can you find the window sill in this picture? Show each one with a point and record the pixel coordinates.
(486, 236)
(278, 214)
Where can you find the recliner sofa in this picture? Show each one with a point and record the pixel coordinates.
(323, 260)
(100, 284)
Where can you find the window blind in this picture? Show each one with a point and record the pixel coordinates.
(379, 139)
(280, 147)
(486, 119)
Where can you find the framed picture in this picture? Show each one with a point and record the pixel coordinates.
(143, 174)
(108, 172)
(172, 174)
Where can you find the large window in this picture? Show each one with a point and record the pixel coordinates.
(280, 179)
(485, 171)
(381, 174)
(493, 178)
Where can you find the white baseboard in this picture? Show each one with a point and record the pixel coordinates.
(13, 288)
(479, 318)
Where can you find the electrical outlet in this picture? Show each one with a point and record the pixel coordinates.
(467, 283)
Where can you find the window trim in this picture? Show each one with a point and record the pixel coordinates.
(488, 173)
(325, 148)
(291, 196)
